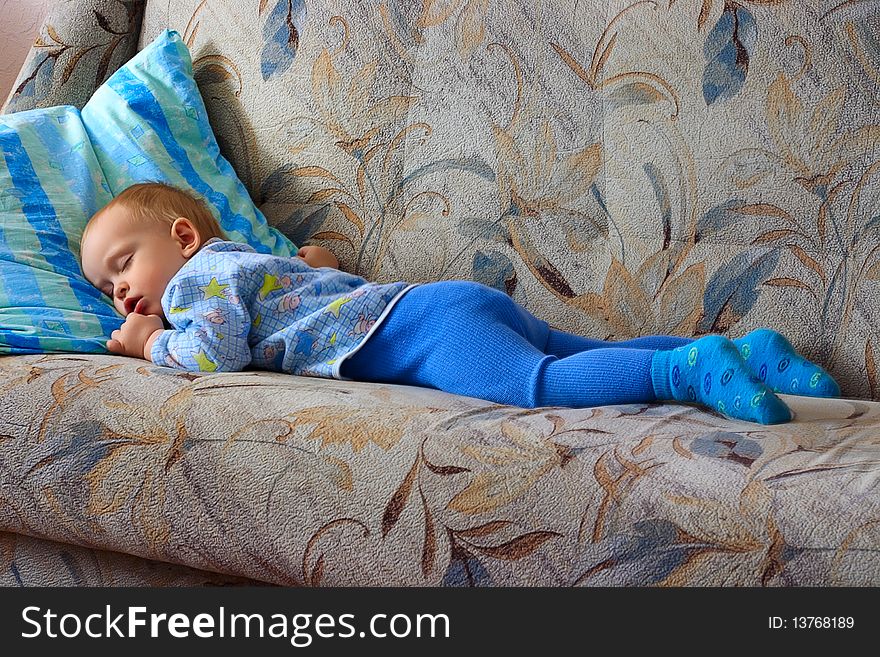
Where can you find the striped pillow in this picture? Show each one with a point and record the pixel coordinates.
(50, 184)
(148, 123)
(58, 167)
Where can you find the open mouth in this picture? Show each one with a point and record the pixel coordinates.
(135, 305)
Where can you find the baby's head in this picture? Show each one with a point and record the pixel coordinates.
(134, 245)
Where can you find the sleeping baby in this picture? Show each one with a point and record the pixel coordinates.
(195, 301)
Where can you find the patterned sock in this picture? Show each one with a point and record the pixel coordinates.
(774, 361)
(711, 372)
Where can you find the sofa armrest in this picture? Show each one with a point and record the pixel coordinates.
(81, 43)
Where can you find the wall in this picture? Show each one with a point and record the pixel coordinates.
(20, 22)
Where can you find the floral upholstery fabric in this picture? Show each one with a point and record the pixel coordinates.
(308, 481)
(619, 168)
(29, 561)
(79, 46)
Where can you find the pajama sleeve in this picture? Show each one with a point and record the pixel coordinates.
(211, 326)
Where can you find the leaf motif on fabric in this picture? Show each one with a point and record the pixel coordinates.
(314, 560)
(429, 547)
(579, 170)
(398, 500)
(519, 547)
(788, 282)
(103, 22)
(732, 213)
(544, 270)
(653, 272)
(633, 93)
(785, 121)
(281, 32)
(808, 261)
(213, 69)
(732, 290)
(304, 222)
(485, 529)
(681, 449)
(280, 185)
(728, 49)
(749, 166)
(514, 467)
(631, 305)
(661, 193)
(155, 528)
(681, 300)
(470, 28)
(495, 270)
(103, 70)
(357, 426)
(338, 472)
(465, 569)
(727, 445)
(825, 120)
(715, 523)
(704, 14)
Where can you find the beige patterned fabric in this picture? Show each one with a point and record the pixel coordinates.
(79, 46)
(621, 169)
(28, 561)
(296, 480)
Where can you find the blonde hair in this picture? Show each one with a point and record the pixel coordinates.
(161, 203)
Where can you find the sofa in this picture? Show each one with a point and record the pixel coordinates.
(620, 168)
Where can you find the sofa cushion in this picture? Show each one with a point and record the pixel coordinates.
(50, 184)
(311, 481)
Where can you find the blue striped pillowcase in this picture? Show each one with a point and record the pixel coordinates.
(59, 166)
(148, 123)
(50, 184)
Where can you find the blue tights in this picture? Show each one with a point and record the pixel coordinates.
(469, 339)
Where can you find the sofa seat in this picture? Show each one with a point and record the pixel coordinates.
(302, 481)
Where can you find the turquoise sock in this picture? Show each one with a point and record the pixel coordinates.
(710, 371)
(774, 361)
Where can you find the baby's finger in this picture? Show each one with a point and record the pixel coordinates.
(114, 346)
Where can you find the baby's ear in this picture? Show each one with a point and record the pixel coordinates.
(186, 235)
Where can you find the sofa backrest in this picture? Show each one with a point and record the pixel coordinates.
(620, 167)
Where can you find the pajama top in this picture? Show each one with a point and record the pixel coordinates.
(232, 307)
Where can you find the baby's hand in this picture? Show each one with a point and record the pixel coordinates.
(132, 338)
(318, 256)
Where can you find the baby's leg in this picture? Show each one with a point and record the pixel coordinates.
(471, 340)
(562, 344)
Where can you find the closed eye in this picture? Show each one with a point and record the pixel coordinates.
(127, 262)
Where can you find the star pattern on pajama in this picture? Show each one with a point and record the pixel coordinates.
(213, 289)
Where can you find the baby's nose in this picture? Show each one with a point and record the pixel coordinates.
(121, 290)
